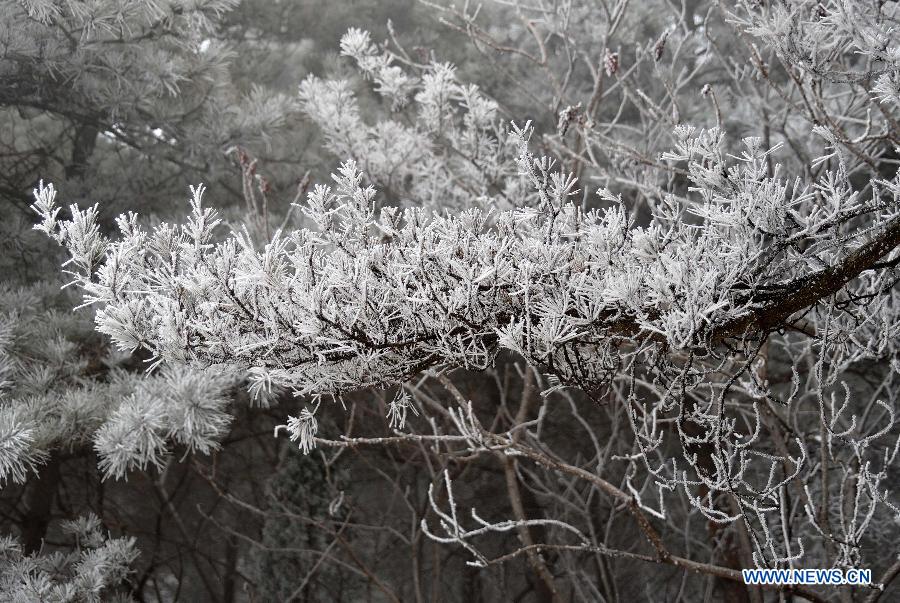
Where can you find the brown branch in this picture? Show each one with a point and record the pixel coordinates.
(885, 580)
(806, 291)
(630, 504)
(535, 560)
(680, 562)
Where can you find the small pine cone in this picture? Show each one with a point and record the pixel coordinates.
(611, 62)
(660, 47)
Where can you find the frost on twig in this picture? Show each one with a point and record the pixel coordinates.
(94, 571)
(374, 295)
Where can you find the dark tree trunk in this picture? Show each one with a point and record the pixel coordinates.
(39, 501)
(82, 148)
(231, 552)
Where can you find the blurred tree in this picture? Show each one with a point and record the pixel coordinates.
(120, 99)
(303, 513)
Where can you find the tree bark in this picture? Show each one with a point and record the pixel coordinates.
(39, 505)
(83, 144)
